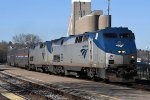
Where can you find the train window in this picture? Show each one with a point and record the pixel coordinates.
(85, 38)
(56, 58)
(31, 58)
(42, 45)
(111, 61)
(78, 39)
(110, 35)
(127, 35)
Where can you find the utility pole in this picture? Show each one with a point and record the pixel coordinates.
(148, 66)
(148, 74)
(108, 7)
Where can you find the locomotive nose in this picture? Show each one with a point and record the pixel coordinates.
(119, 60)
(122, 66)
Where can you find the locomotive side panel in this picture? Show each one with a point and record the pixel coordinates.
(108, 54)
(71, 55)
(37, 55)
(41, 55)
(98, 56)
(80, 55)
(48, 53)
(98, 60)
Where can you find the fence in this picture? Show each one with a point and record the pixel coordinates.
(143, 71)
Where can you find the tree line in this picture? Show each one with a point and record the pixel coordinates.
(18, 41)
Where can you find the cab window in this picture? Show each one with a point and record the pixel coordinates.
(110, 35)
(127, 35)
(78, 39)
(132, 36)
(42, 45)
(85, 38)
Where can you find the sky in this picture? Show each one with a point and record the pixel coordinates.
(49, 18)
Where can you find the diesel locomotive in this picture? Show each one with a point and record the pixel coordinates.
(108, 54)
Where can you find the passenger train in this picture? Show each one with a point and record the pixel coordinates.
(108, 54)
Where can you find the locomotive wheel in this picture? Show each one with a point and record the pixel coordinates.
(44, 69)
(83, 73)
(55, 69)
(29, 67)
(60, 70)
(90, 73)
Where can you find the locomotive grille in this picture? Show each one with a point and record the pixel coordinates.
(132, 61)
(111, 61)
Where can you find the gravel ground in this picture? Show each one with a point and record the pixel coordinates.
(88, 89)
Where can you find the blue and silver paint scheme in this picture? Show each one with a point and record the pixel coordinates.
(40, 55)
(110, 52)
(119, 46)
(120, 51)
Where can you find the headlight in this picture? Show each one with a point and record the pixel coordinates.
(123, 51)
(119, 51)
(132, 57)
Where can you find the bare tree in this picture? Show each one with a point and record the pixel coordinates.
(26, 39)
(19, 39)
(32, 39)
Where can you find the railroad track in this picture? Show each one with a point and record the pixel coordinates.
(138, 85)
(35, 91)
(141, 85)
(70, 88)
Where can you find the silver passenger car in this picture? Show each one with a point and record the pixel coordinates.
(18, 57)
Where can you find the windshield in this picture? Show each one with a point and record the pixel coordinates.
(110, 35)
(121, 35)
(127, 35)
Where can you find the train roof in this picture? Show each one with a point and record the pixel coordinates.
(116, 30)
(92, 34)
(88, 34)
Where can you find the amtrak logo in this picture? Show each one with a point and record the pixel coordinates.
(84, 52)
(119, 44)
